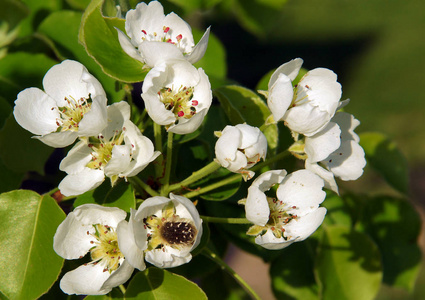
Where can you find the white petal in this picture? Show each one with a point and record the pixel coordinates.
(36, 111)
(256, 207)
(77, 184)
(76, 159)
(303, 227)
(158, 52)
(58, 139)
(85, 280)
(322, 89)
(70, 79)
(290, 69)
(179, 27)
(326, 175)
(259, 148)
(202, 91)
(266, 180)
(269, 241)
(348, 161)
(166, 259)
(119, 276)
(119, 161)
(187, 205)
(280, 96)
(95, 120)
(302, 189)
(157, 110)
(141, 147)
(227, 145)
(127, 244)
(306, 119)
(240, 162)
(151, 206)
(185, 126)
(322, 144)
(199, 50)
(250, 135)
(128, 47)
(118, 113)
(347, 123)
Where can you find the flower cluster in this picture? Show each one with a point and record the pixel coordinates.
(164, 231)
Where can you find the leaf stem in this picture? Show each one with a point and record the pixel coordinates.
(164, 188)
(214, 257)
(137, 182)
(122, 288)
(213, 186)
(201, 173)
(225, 220)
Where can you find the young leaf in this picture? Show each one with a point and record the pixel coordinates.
(28, 262)
(100, 39)
(384, 156)
(348, 265)
(160, 284)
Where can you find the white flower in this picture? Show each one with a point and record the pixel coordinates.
(91, 228)
(155, 37)
(177, 95)
(162, 230)
(308, 107)
(240, 147)
(335, 151)
(293, 216)
(73, 105)
(119, 151)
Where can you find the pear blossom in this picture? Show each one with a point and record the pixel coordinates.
(177, 95)
(290, 217)
(163, 231)
(92, 228)
(307, 107)
(331, 154)
(73, 104)
(119, 151)
(240, 147)
(153, 37)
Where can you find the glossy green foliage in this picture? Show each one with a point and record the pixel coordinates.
(29, 264)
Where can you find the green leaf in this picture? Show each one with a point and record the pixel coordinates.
(100, 39)
(28, 224)
(11, 14)
(395, 225)
(22, 70)
(10, 180)
(222, 193)
(338, 212)
(5, 111)
(348, 265)
(157, 284)
(121, 196)
(62, 28)
(243, 105)
(384, 156)
(19, 151)
(39, 9)
(292, 273)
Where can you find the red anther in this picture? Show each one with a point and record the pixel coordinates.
(179, 37)
(124, 129)
(195, 102)
(106, 269)
(169, 41)
(144, 32)
(294, 207)
(180, 113)
(159, 93)
(166, 29)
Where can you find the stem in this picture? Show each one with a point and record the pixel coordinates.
(51, 192)
(164, 189)
(157, 129)
(214, 257)
(213, 186)
(270, 161)
(122, 288)
(225, 220)
(137, 182)
(201, 173)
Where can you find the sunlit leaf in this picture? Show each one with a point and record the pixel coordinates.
(28, 224)
(384, 156)
(158, 284)
(348, 264)
(100, 39)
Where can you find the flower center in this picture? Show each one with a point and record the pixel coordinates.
(169, 230)
(71, 115)
(106, 250)
(102, 149)
(165, 36)
(278, 218)
(179, 102)
(300, 95)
